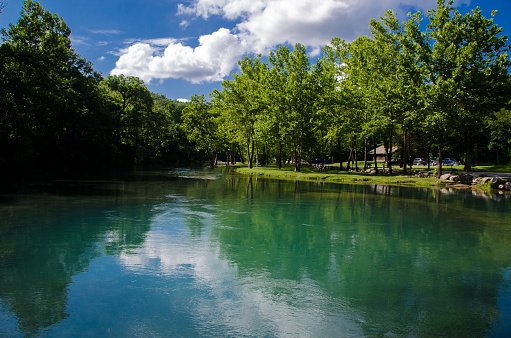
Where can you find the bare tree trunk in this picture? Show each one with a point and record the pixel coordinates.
(389, 154)
(468, 154)
(404, 153)
(355, 147)
(279, 155)
(365, 153)
(440, 153)
(375, 157)
(340, 153)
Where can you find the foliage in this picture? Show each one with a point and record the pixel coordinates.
(445, 87)
(200, 126)
(50, 103)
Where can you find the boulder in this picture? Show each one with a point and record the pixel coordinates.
(496, 182)
(445, 177)
(454, 178)
(507, 186)
(466, 178)
(485, 180)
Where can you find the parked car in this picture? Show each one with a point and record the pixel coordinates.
(419, 161)
(453, 160)
(447, 162)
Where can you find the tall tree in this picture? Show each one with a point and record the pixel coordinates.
(467, 65)
(243, 101)
(301, 91)
(402, 43)
(50, 106)
(200, 126)
(133, 105)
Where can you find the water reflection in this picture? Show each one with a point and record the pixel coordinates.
(241, 256)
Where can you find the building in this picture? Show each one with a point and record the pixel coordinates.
(380, 153)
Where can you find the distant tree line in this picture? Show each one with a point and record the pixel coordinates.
(57, 113)
(437, 89)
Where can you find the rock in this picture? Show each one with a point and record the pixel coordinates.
(466, 178)
(496, 182)
(454, 178)
(507, 186)
(485, 180)
(445, 177)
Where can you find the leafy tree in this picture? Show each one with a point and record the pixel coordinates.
(133, 104)
(277, 117)
(402, 43)
(242, 102)
(467, 65)
(200, 126)
(301, 94)
(50, 107)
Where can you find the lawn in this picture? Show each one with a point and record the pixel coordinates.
(308, 173)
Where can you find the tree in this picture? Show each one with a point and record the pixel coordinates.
(133, 104)
(402, 43)
(50, 107)
(200, 126)
(301, 94)
(242, 102)
(467, 66)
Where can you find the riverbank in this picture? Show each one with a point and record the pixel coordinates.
(417, 179)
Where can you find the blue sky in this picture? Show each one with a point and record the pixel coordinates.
(185, 47)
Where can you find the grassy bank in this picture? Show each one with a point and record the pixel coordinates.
(309, 173)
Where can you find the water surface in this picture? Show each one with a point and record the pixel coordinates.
(201, 253)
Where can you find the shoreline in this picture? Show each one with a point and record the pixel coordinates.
(395, 179)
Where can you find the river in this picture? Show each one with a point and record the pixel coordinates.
(184, 252)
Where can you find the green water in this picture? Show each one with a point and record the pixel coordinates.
(198, 253)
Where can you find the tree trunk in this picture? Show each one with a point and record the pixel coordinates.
(355, 147)
(298, 154)
(279, 155)
(440, 153)
(375, 156)
(389, 154)
(468, 155)
(340, 153)
(250, 153)
(210, 158)
(404, 152)
(365, 153)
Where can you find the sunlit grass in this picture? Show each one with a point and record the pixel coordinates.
(335, 176)
(496, 168)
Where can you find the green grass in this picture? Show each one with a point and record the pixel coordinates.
(495, 168)
(309, 173)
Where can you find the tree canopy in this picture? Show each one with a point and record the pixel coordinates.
(431, 89)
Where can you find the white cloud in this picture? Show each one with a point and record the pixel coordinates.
(214, 58)
(261, 25)
(183, 100)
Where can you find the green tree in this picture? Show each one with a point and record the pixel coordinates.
(200, 126)
(301, 97)
(402, 43)
(50, 108)
(133, 104)
(243, 101)
(467, 66)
